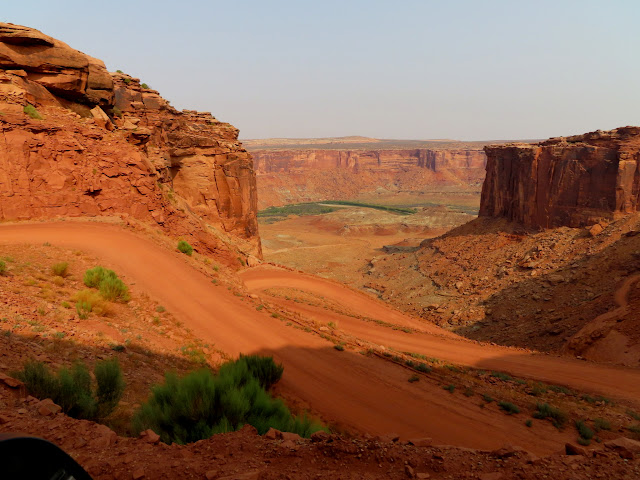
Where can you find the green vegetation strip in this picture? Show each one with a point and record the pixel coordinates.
(320, 208)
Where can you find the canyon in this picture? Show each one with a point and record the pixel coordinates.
(352, 168)
(452, 339)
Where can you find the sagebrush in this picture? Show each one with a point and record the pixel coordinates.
(107, 282)
(185, 248)
(72, 388)
(201, 404)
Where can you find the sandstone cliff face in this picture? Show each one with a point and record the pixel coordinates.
(573, 181)
(290, 176)
(107, 146)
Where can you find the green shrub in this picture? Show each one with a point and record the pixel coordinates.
(528, 423)
(557, 416)
(538, 389)
(160, 309)
(74, 393)
(450, 388)
(468, 392)
(413, 378)
(144, 85)
(32, 112)
(72, 388)
(560, 389)
(263, 369)
(83, 309)
(38, 379)
(60, 269)
(185, 248)
(126, 80)
(107, 282)
(487, 398)
(201, 404)
(119, 71)
(502, 376)
(3, 268)
(114, 289)
(635, 430)
(94, 276)
(422, 367)
(601, 424)
(110, 385)
(339, 347)
(509, 408)
(116, 112)
(583, 430)
(633, 415)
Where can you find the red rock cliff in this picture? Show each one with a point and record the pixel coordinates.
(572, 181)
(289, 176)
(108, 146)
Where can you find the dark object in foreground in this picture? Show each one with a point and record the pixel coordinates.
(36, 459)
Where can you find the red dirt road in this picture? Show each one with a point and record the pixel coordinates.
(432, 341)
(366, 394)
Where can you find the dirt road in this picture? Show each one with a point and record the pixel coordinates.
(346, 388)
(434, 342)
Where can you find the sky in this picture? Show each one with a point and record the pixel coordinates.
(402, 69)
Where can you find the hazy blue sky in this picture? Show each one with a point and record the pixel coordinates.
(391, 69)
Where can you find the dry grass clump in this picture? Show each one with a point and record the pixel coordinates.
(90, 301)
(60, 269)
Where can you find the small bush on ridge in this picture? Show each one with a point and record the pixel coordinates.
(60, 269)
(185, 248)
(583, 430)
(3, 268)
(557, 416)
(509, 408)
(32, 112)
(107, 282)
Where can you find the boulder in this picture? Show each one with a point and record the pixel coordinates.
(273, 434)
(47, 408)
(623, 446)
(150, 436)
(573, 449)
(294, 437)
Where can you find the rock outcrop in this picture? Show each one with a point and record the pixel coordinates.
(108, 145)
(573, 181)
(290, 176)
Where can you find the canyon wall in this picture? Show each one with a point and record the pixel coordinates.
(105, 144)
(292, 176)
(573, 181)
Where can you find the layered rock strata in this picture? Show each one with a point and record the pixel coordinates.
(290, 176)
(566, 181)
(108, 145)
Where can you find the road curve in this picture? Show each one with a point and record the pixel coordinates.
(352, 390)
(620, 382)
